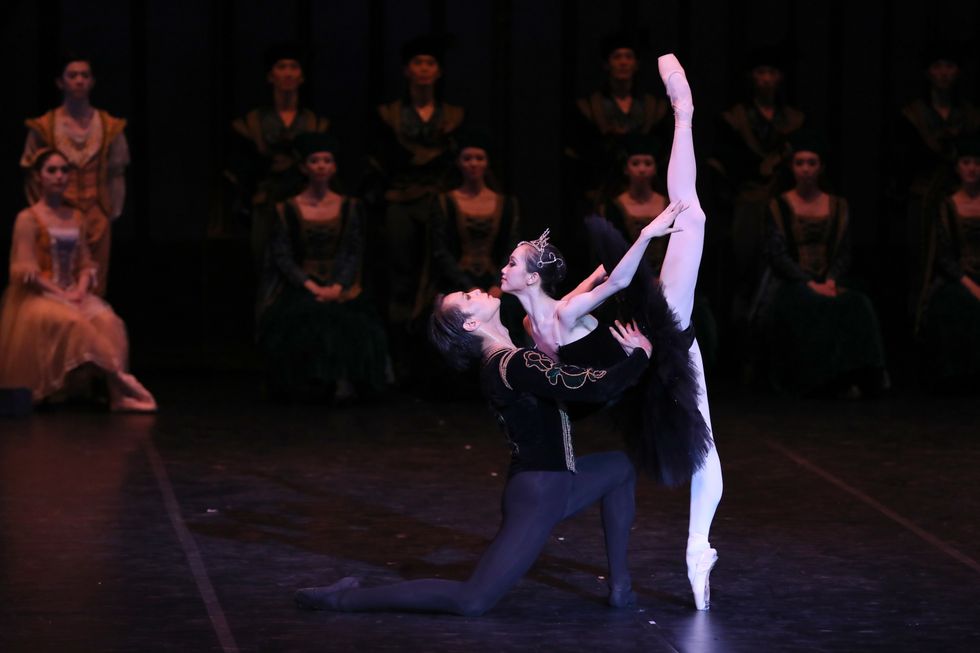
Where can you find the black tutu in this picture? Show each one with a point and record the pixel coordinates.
(664, 430)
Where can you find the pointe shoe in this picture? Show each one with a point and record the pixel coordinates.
(678, 90)
(698, 573)
(320, 598)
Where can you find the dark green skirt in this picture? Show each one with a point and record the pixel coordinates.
(816, 341)
(950, 336)
(307, 343)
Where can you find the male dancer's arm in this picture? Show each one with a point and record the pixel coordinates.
(530, 370)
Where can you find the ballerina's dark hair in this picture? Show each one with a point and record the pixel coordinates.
(547, 261)
(446, 333)
(42, 157)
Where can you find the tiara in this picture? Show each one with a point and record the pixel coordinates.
(539, 245)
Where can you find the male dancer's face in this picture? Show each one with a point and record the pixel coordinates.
(479, 306)
(76, 80)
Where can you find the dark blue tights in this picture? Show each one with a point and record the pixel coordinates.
(533, 503)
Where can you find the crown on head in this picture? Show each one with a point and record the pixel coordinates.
(539, 245)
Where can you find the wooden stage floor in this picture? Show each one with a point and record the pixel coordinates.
(845, 526)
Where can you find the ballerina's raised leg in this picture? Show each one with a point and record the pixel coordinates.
(679, 277)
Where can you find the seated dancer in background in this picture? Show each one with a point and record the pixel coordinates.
(546, 482)
(673, 439)
(950, 327)
(632, 209)
(472, 230)
(51, 325)
(823, 334)
(321, 337)
(262, 166)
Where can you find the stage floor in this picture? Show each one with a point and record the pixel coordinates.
(844, 527)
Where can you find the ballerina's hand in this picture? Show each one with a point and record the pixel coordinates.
(630, 337)
(663, 224)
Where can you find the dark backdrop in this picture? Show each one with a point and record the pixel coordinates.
(180, 70)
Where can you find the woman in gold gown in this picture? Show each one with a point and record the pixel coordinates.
(51, 324)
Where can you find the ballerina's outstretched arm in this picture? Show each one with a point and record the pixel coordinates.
(577, 304)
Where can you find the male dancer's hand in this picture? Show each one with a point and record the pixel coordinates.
(630, 337)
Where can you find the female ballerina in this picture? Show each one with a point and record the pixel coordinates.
(546, 482)
(676, 422)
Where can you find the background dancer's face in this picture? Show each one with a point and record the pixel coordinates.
(286, 75)
(622, 64)
(423, 70)
(515, 275)
(77, 80)
(320, 166)
(943, 74)
(806, 167)
(472, 163)
(968, 170)
(641, 167)
(766, 80)
(53, 174)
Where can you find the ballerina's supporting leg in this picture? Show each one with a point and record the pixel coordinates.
(679, 278)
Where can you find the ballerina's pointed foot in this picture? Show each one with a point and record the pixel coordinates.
(325, 597)
(678, 90)
(623, 597)
(134, 405)
(698, 572)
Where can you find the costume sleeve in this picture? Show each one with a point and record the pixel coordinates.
(530, 370)
(244, 166)
(737, 161)
(947, 262)
(118, 160)
(777, 248)
(23, 257)
(281, 250)
(351, 246)
(446, 265)
(31, 146)
(842, 251)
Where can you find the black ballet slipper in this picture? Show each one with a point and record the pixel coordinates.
(324, 598)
